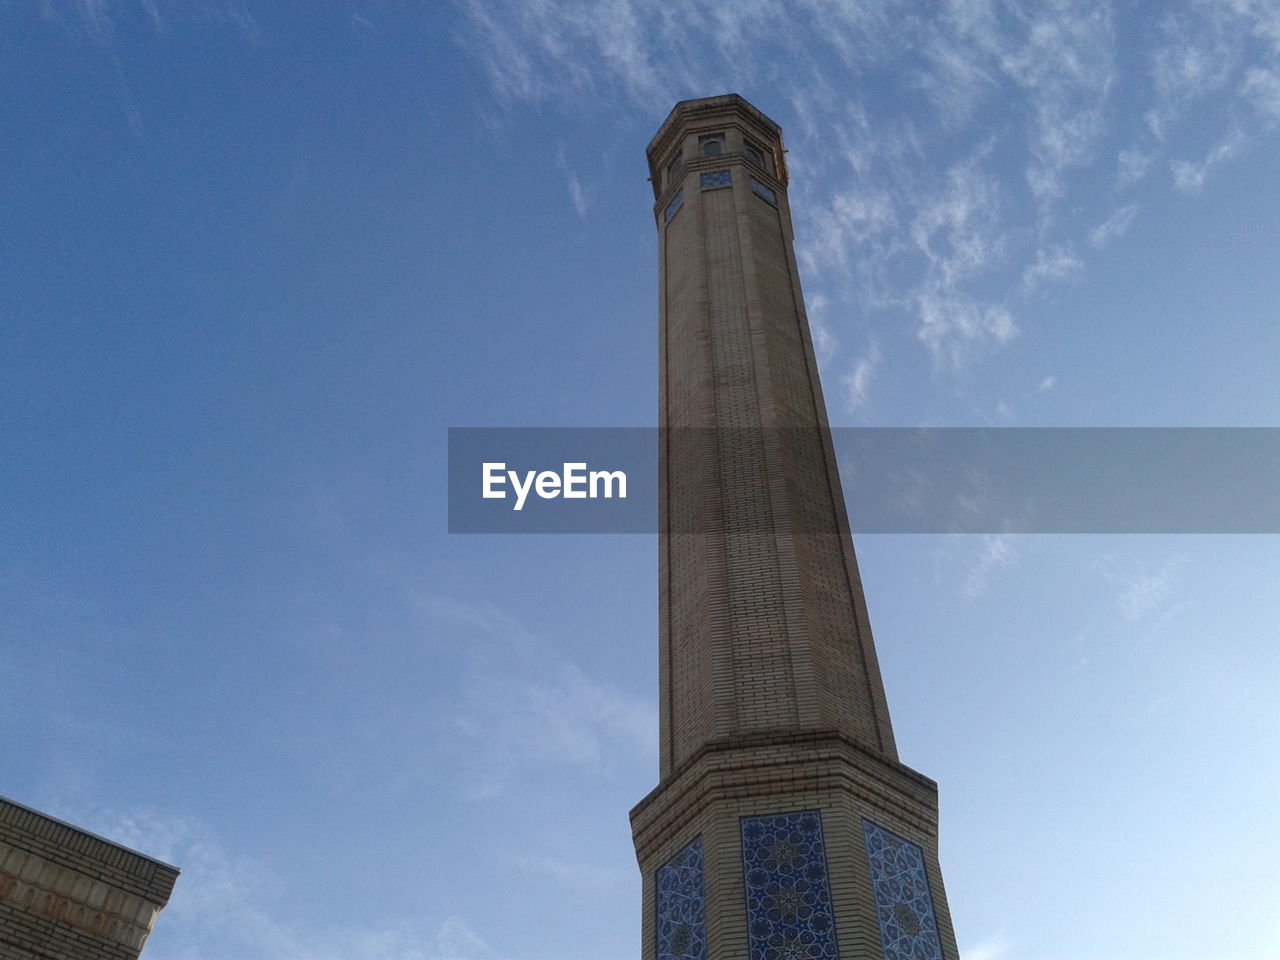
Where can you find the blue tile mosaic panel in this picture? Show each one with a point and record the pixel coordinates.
(682, 908)
(784, 863)
(760, 190)
(904, 906)
(720, 178)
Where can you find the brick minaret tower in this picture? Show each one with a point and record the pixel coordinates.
(784, 827)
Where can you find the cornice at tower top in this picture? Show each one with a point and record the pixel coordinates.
(709, 111)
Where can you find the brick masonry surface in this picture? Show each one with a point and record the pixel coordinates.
(66, 894)
(771, 702)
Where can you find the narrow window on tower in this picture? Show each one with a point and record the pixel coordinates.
(673, 169)
(764, 193)
(712, 145)
(754, 154)
(673, 206)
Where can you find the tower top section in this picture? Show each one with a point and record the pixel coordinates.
(690, 129)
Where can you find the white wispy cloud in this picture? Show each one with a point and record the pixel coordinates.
(1132, 166)
(534, 50)
(96, 16)
(1211, 47)
(851, 220)
(578, 194)
(997, 551)
(1114, 226)
(1199, 51)
(545, 712)
(1059, 59)
(824, 341)
(962, 73)
(856, 384)
(889, 224)
(952, 324)
(995, 947)
(958, 230)
(589, 875)
(1054, 264)
(1190, 177)
(523, 707)
(1065, 66)
(1143, 591)
(221, 907)
(1047, 384)
(478, 615)
(99, 18)
(959, 234)
(1262, 88)
(1144, 594)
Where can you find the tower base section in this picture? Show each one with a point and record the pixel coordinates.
(799, 846)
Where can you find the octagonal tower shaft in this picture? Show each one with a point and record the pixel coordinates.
(763, 623)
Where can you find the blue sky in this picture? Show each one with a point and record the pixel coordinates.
(257, 257)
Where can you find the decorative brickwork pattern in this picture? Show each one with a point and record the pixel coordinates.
(682, 909)
(784, 863)
(904, 908)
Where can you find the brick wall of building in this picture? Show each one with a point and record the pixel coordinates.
(66, 894)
